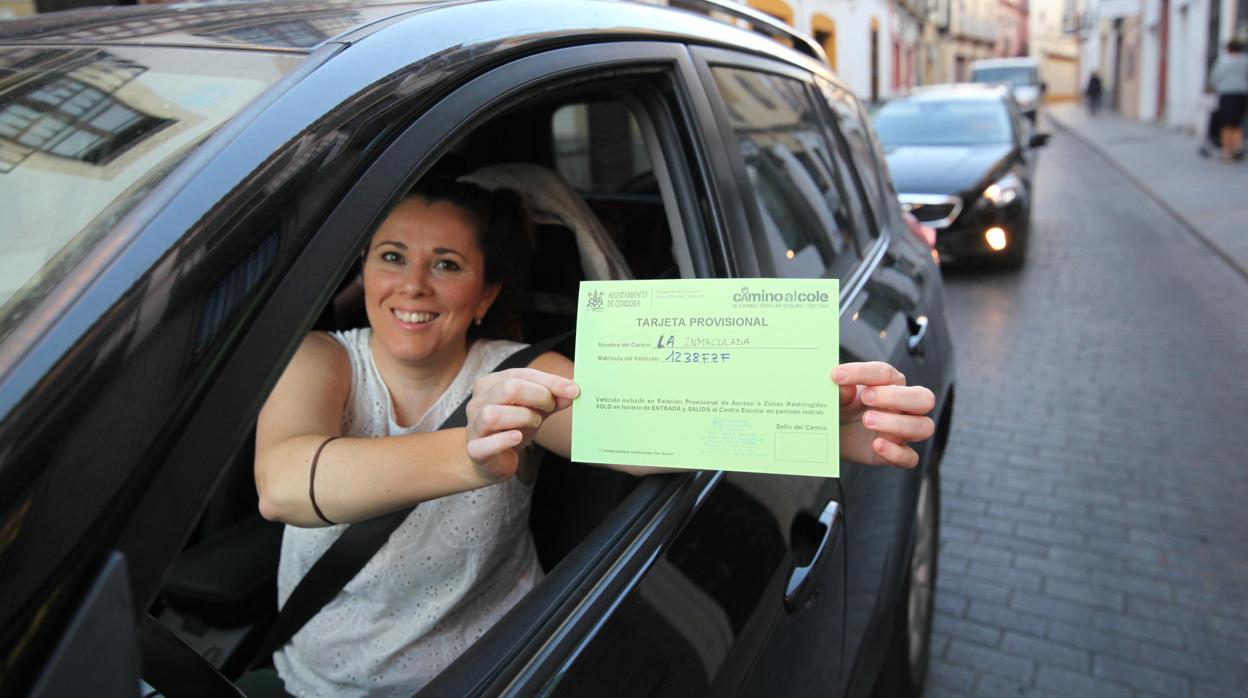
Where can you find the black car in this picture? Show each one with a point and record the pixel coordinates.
(186, 193)
(962, 159)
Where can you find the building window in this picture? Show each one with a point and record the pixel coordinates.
(75, 115)
(824, 29)
(776, 8)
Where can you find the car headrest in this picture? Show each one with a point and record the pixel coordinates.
(551, 200)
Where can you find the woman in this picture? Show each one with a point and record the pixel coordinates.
(1229, 78)
(436, 275)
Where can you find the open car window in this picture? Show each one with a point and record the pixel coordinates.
(611, 150)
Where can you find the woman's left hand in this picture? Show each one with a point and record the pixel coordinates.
(880, 414)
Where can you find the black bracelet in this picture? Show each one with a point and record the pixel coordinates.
(312, 482)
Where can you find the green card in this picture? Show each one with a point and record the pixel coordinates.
(709, 374)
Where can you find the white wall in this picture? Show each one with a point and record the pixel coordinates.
(1058, 52)
(853, 38)
(1090, 48)
(1150, 57)
(1187, 107)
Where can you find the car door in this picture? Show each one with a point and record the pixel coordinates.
(883, 318)
(741, 595)
(802, 221)
(896, 315)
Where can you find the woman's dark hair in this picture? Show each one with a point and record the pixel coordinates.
(1234, 46)
(505, 236)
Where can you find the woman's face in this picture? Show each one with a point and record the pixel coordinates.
(424, 281)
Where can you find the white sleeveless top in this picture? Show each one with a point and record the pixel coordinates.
(447, 574)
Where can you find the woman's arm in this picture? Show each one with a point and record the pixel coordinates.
(356, 478)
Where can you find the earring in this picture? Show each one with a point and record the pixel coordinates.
(478, 322)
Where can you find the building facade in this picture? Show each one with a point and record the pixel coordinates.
(973, 31)
(857, 35)
(885, 47)
(1012, 28)
(1154, 56)
(1053, 42)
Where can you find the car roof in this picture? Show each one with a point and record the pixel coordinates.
(271, 26)
(301, 26)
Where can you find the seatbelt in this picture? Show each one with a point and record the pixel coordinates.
(357, 545)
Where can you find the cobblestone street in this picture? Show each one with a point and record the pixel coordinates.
(1095, 538)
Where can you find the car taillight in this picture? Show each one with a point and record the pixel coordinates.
(925, 233)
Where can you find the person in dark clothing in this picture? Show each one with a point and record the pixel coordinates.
(1093, 92)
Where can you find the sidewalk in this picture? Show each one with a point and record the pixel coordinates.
(1210, 197)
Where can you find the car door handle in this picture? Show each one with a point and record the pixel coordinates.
(918, 333)
(802, 583)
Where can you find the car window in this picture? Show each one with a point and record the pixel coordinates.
(806, 216)
(1013, 76)
(862, 151)
(598, 146)
(87, 133)
(943, 122)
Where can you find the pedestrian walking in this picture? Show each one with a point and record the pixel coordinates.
(1229, 78)
(1093, 92)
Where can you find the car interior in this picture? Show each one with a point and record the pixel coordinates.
(591, 171)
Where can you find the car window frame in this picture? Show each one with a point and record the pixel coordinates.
(873, 202)
(707, 58)
(851, 169)
(553, 619)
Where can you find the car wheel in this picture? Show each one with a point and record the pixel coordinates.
(909, 651)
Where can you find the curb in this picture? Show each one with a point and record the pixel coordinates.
(1208, 242)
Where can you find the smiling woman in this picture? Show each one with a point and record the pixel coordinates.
(433, 273)
(427, 280)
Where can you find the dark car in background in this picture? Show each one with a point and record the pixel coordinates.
(962, 158)
(1020, 74)
(186, 192)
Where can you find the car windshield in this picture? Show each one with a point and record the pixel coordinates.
(1013, 76)
(952, 122)
(85, 133)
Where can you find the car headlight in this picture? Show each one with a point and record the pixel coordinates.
(1004, 190)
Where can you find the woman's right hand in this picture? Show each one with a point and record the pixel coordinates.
(505, 412)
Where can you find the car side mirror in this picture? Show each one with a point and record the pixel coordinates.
(1038, 140)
